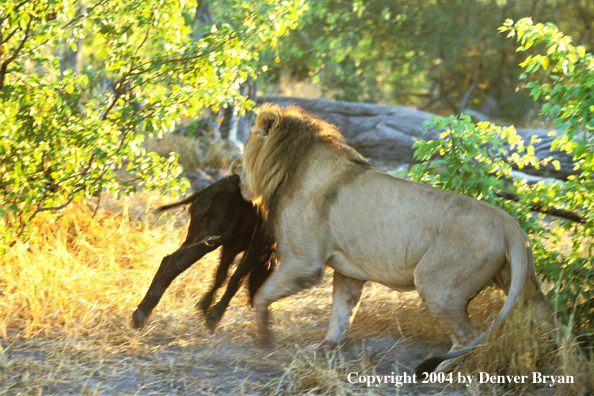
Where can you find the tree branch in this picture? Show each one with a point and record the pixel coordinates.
(16, 8)
(5, 64)
(148, 29)
(76, 18)
(477, 75)
(83, 173)
(59, 207)
(539, 207)
(9, 36)
(120, 90)
(21, 45)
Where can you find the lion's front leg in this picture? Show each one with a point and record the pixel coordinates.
(346, 295)
(291, 276)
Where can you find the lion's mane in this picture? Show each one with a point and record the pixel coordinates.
(281, 138)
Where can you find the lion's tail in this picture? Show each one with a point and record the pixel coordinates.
(520, 255)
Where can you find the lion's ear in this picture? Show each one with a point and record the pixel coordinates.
(268, 118)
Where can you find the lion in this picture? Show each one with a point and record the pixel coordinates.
(328, 206)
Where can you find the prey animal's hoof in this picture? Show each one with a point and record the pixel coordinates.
(213, 318)
(139, 319)
(203, 305)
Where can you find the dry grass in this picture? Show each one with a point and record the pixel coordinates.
(67, 296)
(521, 348)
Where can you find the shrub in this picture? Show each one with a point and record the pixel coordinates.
(473, 160)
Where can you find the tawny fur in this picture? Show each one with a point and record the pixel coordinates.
(328, 206)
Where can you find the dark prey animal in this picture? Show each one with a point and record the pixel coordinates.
(219, 217)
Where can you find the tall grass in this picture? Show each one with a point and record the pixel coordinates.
(80, 274)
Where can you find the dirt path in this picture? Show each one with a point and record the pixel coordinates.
(215, 366)
(73, 335)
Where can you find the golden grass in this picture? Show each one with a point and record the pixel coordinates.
(67, 296)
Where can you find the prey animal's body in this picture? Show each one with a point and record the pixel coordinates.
(219, 217)
(328, 206)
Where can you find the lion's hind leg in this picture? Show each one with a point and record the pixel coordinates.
(453, 315)
(291, 276)
(446, 287)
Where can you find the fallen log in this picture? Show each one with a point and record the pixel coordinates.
(381, 133)
(387, 133)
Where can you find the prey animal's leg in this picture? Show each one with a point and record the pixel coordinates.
(251, 258)
(227, 255)
(292, 275)
(346, 295)
(171, 266)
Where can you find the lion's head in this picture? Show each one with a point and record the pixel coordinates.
(280, 140)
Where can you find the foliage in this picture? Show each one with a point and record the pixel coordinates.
(475, 161)
(472, 162)
(65, 134)
(428, 54)
(567, 88)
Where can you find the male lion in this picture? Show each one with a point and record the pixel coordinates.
(328, 206)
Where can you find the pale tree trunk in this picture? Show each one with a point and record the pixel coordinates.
(228, 127)
(69, 59)
(202, 18)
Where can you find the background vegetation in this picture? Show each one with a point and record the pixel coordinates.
(83, 84)
(441, 56)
